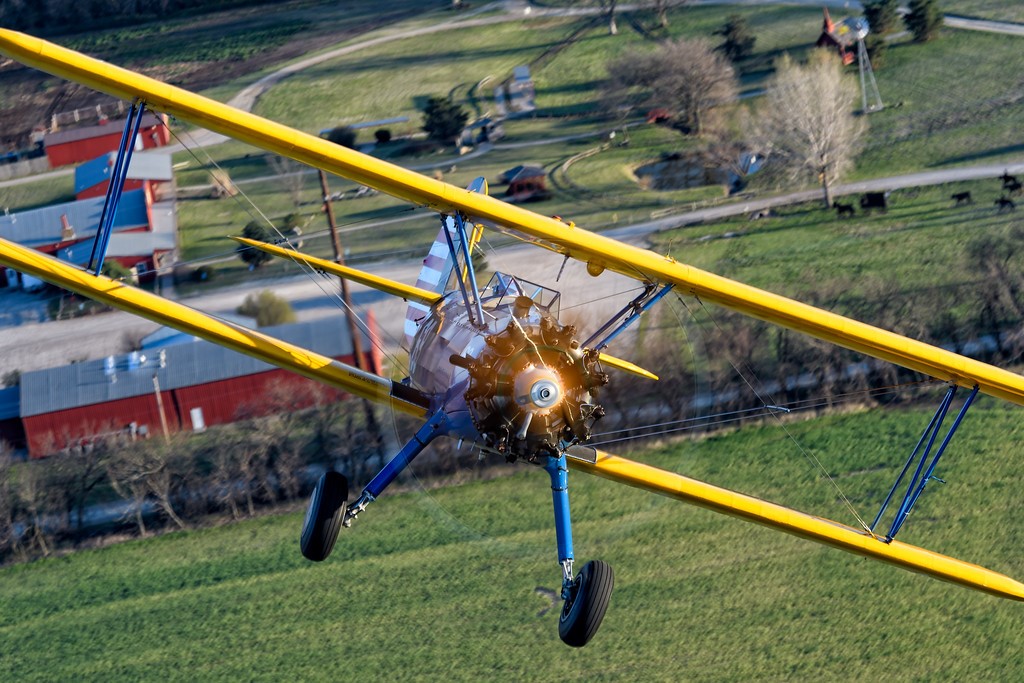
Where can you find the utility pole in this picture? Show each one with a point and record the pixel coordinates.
(160, 407)
(354, 332)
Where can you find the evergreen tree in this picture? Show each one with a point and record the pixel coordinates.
(443, 120)
(739, 42)
(255, 230)
(882, 15)
(923, 19)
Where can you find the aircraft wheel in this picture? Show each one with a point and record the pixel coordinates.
(324, 516)
(584, 609)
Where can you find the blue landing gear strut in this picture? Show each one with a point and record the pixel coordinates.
(557, 468)
(328, 510)
(585, 596)
(434, 427)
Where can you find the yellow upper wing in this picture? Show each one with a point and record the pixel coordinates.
(601, 252)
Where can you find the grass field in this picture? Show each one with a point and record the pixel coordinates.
(568, 58)
(999, 10)
(804, 245)
(442, 584)
(949, 102)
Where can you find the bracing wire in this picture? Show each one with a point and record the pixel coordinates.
(705, 422)
(305, 266)
(809, 456)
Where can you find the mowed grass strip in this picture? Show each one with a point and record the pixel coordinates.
(444, 583)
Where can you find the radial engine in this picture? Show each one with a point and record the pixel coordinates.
(517, 383)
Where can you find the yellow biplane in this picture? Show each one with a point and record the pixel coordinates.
(492, 364)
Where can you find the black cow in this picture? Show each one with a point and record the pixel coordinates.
(1007, 179)
(1005, 204)
(962, 198)
(843, 210)
(874, 200)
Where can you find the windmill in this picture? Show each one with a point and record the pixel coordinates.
(846, 36)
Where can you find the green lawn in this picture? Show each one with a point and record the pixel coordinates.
(441, 584)
(948, 102)
(1000, 10)
(908, 269)
(35, 194)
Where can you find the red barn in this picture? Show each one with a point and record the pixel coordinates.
(75, 145)
(200, 383)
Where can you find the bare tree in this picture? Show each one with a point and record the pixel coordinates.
(661, 8)
(32, 490)
(292, 176)
(686, 76)
(226, 475)
(609, 7)
(150, 470)
(10, 533)
(807, 122)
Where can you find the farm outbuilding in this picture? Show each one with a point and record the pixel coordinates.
(144, 231)
(151, 172)
(526, 183)
(835, 37)
(75, 145)
(200, 384)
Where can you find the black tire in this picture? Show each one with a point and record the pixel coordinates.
(324, 516)
(583, 611)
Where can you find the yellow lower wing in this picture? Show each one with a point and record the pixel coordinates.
(243, 340)
(797, 523)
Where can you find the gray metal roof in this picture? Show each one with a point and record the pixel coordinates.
(139, 243)
(164, 217)
(143, 166)
(121, 244)
(39, 227)
(87, 132)
(90, 382)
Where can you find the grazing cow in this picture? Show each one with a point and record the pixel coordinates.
(1005, 204)
(874, 200)
(843, 210)
(1013, 187)
(962, 198)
